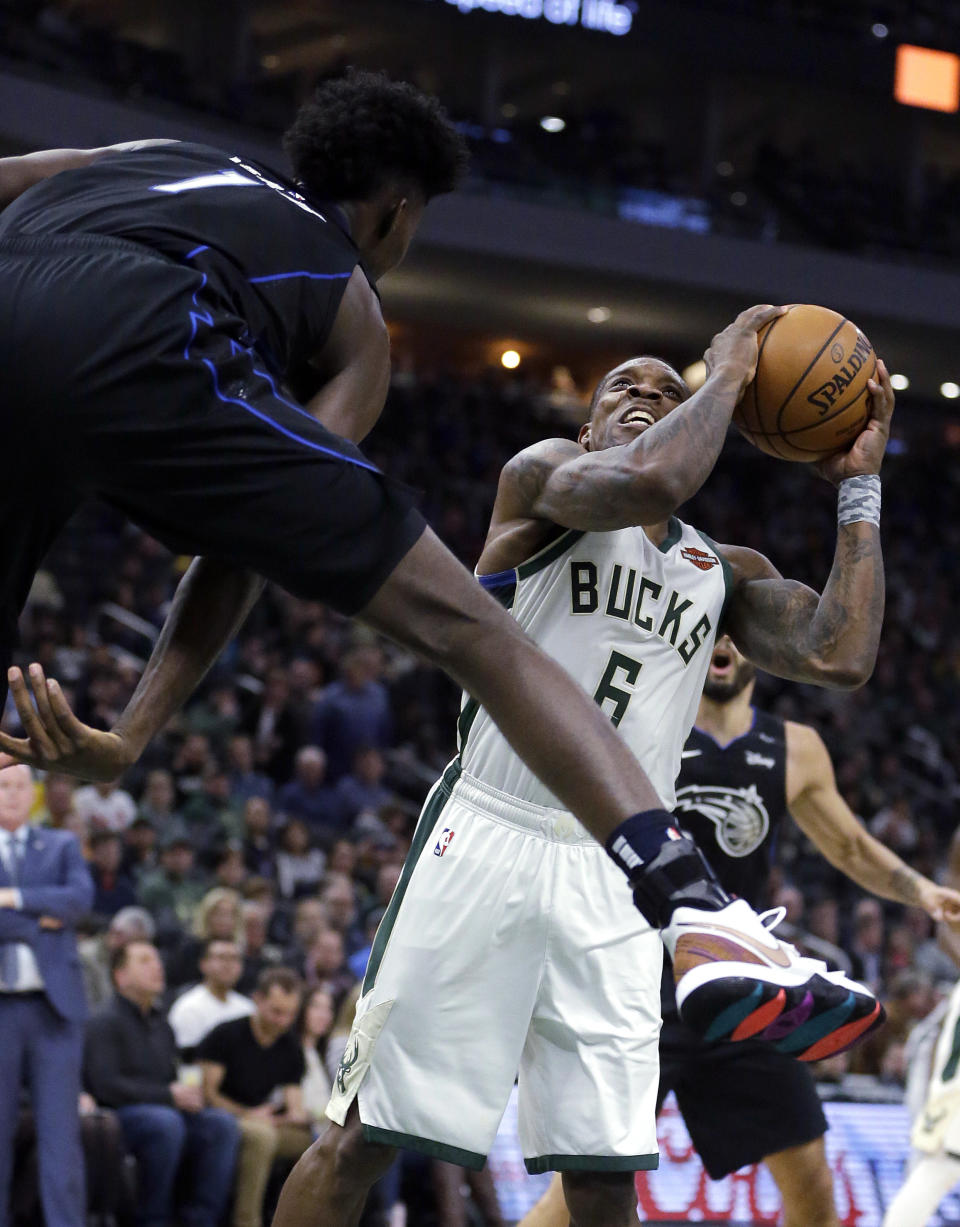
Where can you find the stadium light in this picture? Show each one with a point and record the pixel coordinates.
(695, 375)
(552, 123)
(927, 78)
(510, 359)
(899, 383)
(599, 315)
(950, 390)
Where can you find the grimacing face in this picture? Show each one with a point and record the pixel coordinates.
(729, 673)
(629, 400)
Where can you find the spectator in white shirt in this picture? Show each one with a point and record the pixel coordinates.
(105, 806)
(197, 1011)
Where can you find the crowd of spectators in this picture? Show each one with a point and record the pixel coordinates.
(612, 156)
(241, 868)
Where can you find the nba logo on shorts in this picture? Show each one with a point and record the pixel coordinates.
(443, 843)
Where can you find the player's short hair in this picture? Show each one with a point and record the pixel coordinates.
(361, 130)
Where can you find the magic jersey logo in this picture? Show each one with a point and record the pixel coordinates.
(738, 815)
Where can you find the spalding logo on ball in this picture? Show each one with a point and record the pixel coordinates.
(809, 395)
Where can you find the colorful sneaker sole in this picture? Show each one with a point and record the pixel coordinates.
(809, 1021)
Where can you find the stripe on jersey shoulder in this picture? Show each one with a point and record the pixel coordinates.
(550, 553)
(674, 533)
(502, 586)
(727, 578)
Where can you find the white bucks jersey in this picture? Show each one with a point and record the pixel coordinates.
(938, 1125)
(634, 623)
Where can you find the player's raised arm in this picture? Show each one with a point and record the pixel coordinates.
(825, 818)
(22, 172)
(670, 441)
(354, 364)
(830, 639)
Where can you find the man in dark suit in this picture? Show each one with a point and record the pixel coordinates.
(44, 888)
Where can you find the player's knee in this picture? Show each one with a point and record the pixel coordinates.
(600, 1199)
(347, 1158)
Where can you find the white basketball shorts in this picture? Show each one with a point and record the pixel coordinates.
(511, 947)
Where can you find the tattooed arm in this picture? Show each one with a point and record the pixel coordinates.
(619, 475)
(787, 628)
(826, 819)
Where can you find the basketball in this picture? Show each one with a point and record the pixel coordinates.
(809, 396)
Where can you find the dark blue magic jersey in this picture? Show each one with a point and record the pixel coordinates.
(731, 799)
(274, 259)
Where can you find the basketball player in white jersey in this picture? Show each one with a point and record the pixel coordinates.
(936, 1131)
(504, 946)
(743, 771)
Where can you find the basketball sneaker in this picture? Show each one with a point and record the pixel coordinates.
(736, 981)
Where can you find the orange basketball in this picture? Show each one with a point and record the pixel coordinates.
(809, 395)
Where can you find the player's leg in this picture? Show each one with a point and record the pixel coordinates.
(431, 1058)
(742, 1103)
(551, 1209)
(331, 1180)
(925, 1188)
(433, 605)
(600, 1199)
(805, 1182)
(590, 1071)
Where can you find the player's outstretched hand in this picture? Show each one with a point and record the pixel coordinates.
(736, 348)
(942, 904)
(865, 454)
(56, 740)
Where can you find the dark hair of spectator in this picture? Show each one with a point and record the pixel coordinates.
(301, 1024)
(118, 957)
(282, 978)
(361, 131)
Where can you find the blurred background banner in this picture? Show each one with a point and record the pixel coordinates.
(866, 1149)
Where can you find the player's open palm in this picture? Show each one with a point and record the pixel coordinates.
(55, 739)
(865, 454)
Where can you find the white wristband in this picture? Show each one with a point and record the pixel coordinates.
(858, 500)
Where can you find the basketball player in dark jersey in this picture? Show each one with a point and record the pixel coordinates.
(181, 328)
(742, 771)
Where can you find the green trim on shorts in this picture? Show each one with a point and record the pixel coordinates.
(428, 820)
(426, 1146)
(549, 553)
(591, 1163)
(727, 579)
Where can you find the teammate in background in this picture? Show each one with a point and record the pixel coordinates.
(936, 1130)
(741, 771)
(160, 304)
(502, 947)
(935, 1138)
